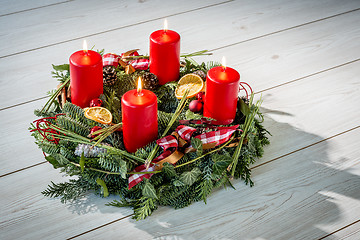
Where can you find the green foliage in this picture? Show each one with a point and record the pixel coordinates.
(113, 163)
(169, 170)
(149, 190)
(176, 186)
(221, 162)
(167, 102)
(192, 66)
(189, 178)
(103, 187)
(197, 144)
(144, 207)
(48, 147)
(73, 125)
(67, 191)
(75, 112)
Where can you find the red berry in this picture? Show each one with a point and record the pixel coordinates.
(200, 96)
(94, 129)
(195, 106)
(96, 102)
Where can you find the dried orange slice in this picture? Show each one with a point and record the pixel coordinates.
(190, 81)
(98, 114)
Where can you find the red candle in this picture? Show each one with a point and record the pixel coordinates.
(139, 118)
(221, 95)
(165, 55)
(86, 76)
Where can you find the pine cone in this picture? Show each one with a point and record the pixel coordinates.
(200, 74)
(109, 75)
(150, 81)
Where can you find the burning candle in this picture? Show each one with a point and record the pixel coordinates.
(222, 88)
(165, 55)
(139, 118)
(86, 76)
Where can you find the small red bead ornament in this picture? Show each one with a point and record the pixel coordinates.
(94, 129)
(195, 106)
(97, 102)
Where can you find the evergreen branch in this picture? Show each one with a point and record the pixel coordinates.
(52, 98)
(248, 121)
(197, 53)
(73, 137)
(178, 110)
(104, 133)
(191, 161)
(184, 55)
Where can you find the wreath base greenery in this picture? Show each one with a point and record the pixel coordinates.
(106, 168)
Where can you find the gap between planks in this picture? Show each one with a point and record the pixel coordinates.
(212, 50)
(35, 8)
(340, 229)
(286, 83)
(115, 29)
(286, 29)
(262, 164)
(276, 86)
(175, 14)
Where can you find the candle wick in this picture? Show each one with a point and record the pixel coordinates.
(224, 68)
(140, 93)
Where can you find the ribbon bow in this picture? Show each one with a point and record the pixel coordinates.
(180, 139)
(111, 59)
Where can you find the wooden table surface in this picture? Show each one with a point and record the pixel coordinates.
(301, 56)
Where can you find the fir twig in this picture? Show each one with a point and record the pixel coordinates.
(248, 121)
(53, 96)
(191, 161)
(178, 110)
(184, 55)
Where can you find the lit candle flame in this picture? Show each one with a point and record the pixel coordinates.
(165, 25)
(139, 87)
(223, 62)
(85, 48)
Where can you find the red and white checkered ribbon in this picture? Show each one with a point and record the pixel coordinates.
(136, 178)
(111, 59)
(139, 64)
(168, 142)
(220, 136)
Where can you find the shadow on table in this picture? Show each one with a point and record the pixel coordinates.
(288, 200)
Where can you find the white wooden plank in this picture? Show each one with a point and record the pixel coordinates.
(291, 65)
(19, 83)
(300, 130)
(26, 214)
(12, 7)
(348, 233)
(81, 18)
(292, 198)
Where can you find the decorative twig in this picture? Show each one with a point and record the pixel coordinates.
(178, 110)
(248, 121)
(184, 55)
(54, 95)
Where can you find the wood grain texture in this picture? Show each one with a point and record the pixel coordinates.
(351, 231)
(84, 18)
(9, 7)
(242, 20)
(293, 130)
(26, 214)
(293, 198)
(300, 53)
(303, 55)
